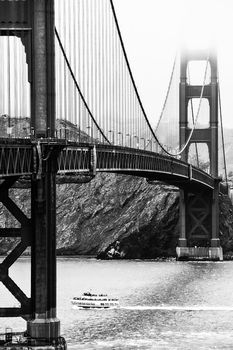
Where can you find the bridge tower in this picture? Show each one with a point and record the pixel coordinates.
(33, 22)
(199, 211)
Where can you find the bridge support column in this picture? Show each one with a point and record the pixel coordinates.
(22, 232)
(44, 324)
(215, 249)
(182, 239)
(199, 226)
(199, 212)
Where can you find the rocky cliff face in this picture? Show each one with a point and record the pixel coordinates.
(117, 208)
(91, 217)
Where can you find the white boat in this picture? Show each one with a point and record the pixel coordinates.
(94, 301)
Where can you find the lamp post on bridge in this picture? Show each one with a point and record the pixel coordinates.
(144, 142)
(111, 131)
(89, 127)
(76, 133)
(137, 141)
(156, 146)
(129, 139)
(9, 128)
(150, 143)
(32, 133)
(120, 133)
(67, 133)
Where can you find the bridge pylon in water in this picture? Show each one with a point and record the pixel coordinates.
(199, 210)
(33, 22)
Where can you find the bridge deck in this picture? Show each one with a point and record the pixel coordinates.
(20, 157)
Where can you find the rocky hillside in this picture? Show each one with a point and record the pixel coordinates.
(142, 217)
(118, 208)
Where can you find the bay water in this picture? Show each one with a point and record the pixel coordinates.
(163, 304)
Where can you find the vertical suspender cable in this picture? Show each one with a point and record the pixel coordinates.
(23, 93)
(79, 71)
(59, 100)
(103, 75)
(222, 133)
(192, 112)
(110, 74)
(83, 62)
(118, 116)
(122, 99)
(116, 80)
(130, 111)
(9, 77)
(2, 77)
(113, 76)
(92, 65)
(16, 86)
(129, 69)
(16, 78)
(70, 49)
(99, 66)
(106, 15)
(74, 61)
(196, 149)
(65, 76)
(126, 102)
(77, 86)
(87, 71)
(96, 63)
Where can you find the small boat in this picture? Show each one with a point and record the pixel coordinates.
(94, 301)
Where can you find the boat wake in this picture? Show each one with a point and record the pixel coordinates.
(160, 308)
(178, 308)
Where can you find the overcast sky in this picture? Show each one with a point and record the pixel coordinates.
(153, 31)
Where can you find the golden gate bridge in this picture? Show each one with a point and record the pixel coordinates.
(70, 106)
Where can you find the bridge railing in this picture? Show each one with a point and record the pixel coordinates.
(201, 176)
(113, 158)
(20, 157)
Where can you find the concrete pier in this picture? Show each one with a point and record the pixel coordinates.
(21, 340)
(199, 253)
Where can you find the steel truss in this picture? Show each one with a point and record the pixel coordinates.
(25, 241)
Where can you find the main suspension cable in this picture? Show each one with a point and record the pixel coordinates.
(139, 99)
(130, 71)
(192, 112)
(198, 111)
(77, 86)
(167, 94)
(194, 120)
